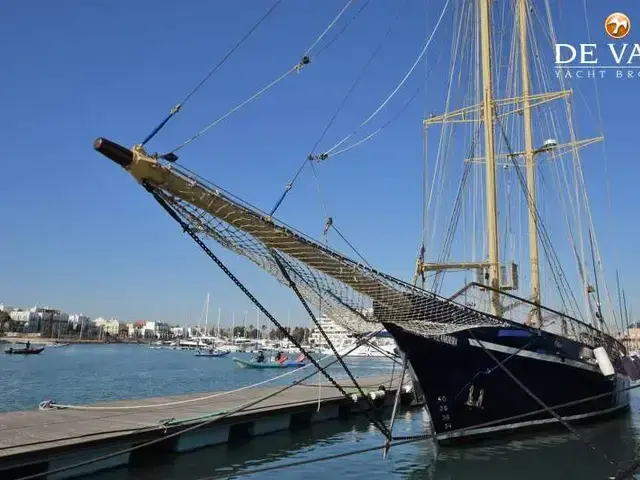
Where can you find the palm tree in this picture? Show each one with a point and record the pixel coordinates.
(6, 324)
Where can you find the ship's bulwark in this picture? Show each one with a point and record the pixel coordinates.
(464, 387)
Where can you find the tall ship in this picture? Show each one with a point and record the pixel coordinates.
(487, 351)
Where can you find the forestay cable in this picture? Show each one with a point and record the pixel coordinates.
(305, 60)
(177, 108)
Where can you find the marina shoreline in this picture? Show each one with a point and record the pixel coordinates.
(54, 341)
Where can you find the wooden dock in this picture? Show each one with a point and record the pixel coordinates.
(39, 442)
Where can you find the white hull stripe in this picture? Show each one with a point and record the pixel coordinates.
(530, 423)
(528, 354)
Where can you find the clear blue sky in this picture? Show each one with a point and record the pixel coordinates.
(78, 234)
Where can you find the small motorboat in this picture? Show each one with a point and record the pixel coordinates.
(255, 364)
(24, 351)
(211, 353)
(58, 345)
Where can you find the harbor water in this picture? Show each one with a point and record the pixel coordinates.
(81, 374)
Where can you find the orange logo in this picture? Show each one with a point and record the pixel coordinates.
(617, 25)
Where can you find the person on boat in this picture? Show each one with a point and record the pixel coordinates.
(281, 357)
(260, 357)
(28, 344)
(211, 351)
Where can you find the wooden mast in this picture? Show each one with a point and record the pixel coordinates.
(529, 154)
(489, 147)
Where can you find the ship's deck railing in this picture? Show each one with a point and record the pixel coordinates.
(520, 310)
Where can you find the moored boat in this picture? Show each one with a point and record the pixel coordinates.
(267, 364)
(211, 353)
(24, 351)
(469, 395)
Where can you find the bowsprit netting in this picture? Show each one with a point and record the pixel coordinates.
(351, 294)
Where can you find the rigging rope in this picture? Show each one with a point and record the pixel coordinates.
(187, 229)
(435, 187)
(305, 60)
(345, 26)
(380, 129)
(297, 67)
(550, 252)
(280, 262)
(333, 22)
(177, 108)
(395, 90)
(360, 76)
(578, 172)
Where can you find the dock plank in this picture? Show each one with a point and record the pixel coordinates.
(61, 428)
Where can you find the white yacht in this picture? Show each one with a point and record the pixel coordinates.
(382, 345)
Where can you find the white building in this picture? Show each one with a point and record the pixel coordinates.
(52, 320)
(192, 332)
(149, 329)
(111, 326)
(25, 320)
(334, 331)
(162, 330)
(78, 320)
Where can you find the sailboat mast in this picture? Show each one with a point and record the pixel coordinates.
(489, 147)
(206, 318)
(536, 321)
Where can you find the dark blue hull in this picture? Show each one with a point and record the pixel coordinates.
(469, 396)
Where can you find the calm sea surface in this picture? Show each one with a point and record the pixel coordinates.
(84, 374)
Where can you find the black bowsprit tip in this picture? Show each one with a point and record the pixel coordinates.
(119, 154)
